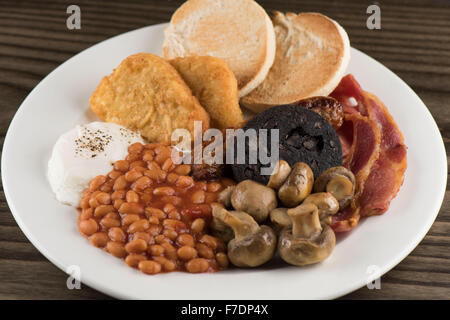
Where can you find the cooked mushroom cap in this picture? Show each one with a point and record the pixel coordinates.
(325, 202)
(225, 196)
(252, 245)
(279, 175)
(253, 250)
(254, 198)
(280, 219)
(307, 241)
(301, 252)
(340, 182)
(297, 186)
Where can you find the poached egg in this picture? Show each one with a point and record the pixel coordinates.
(83, 153)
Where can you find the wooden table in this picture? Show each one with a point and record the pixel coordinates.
(414, 42)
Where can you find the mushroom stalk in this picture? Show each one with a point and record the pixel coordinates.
(240, 223)
(326, 203)
(305, 221)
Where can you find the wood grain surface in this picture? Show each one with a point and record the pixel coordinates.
(414, 42)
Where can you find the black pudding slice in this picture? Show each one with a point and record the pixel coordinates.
(304, 135)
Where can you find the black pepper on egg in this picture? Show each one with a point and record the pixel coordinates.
(91, 143)
(305, 136)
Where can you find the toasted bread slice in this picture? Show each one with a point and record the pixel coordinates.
(240, 32)
(215, 86)
(312, 55)
(147, 94)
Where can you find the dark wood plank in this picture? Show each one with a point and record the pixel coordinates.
(414, 42)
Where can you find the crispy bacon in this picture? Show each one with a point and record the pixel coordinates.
(373, 150)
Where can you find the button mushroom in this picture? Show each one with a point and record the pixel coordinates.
(225, 196)
(252, 245)
(297, 186)
(306, 242)
(218, 228)
(326, 204)
(279, 219)
(279, 174)
(340, 182)
(254, 198)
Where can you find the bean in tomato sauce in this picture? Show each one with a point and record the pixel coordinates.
(151, 213)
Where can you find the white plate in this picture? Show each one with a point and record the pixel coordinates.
(60, 102)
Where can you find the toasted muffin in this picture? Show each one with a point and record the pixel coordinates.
(240, 32)
(312, 55)
(147, 94)
(215, 86)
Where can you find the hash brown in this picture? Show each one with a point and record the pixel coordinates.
(147, 94)
(215, 86)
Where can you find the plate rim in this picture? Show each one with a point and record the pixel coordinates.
(100, 287)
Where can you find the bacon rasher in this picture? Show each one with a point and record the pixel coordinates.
(386, 177)
(373, 149)
(363, 135)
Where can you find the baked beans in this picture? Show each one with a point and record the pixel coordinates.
(149, 266)
(151, 213)
(117, 234)
(117, 249)
(88, 227)
(197, 265)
